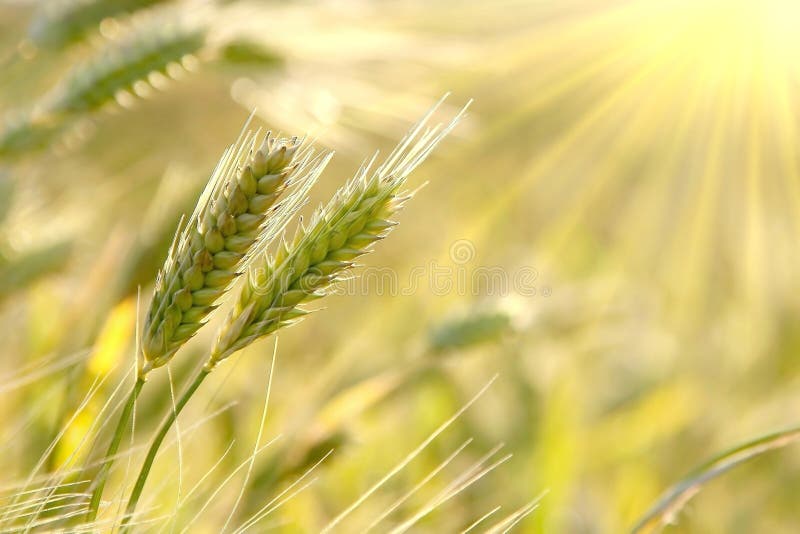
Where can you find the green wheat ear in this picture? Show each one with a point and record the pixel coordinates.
(473, 329)
(147, 54)
(125, 65)
(58, 23)
(238, 211)
(358, 215)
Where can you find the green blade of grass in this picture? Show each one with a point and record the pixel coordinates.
(674, 499)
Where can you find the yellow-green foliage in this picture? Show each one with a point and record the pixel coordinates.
(119, 70)
(612, 231)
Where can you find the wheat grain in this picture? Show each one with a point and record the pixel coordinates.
(359, 215)
(208, 252)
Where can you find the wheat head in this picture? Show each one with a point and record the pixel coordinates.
(304, 269)
(146, 54)
(126, 64)
(58, 23)
(238, 209)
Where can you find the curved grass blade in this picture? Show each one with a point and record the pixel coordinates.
(670, 504)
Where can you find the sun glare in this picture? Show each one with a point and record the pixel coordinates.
(756, 38)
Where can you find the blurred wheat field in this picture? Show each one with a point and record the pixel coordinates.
(608, 239)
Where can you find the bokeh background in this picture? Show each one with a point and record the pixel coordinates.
(637, 159)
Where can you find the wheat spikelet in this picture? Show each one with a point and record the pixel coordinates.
(215, 243)
(62, 22)
(358, 216)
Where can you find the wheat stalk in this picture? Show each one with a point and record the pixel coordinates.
(357, 216)
(237, 212)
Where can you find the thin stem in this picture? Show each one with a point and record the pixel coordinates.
(113, 447)
(144, 472)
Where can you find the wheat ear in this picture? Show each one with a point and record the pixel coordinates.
(344, 229)
(59, 23)
(237, 212)
(208, 253)
(126, 64)
(146, 55)
(359, 215)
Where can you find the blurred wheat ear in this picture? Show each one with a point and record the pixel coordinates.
(59, 23)
(146, 54)
(126, 64)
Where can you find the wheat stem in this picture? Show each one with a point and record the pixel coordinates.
(144, 472)
(113, 447)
